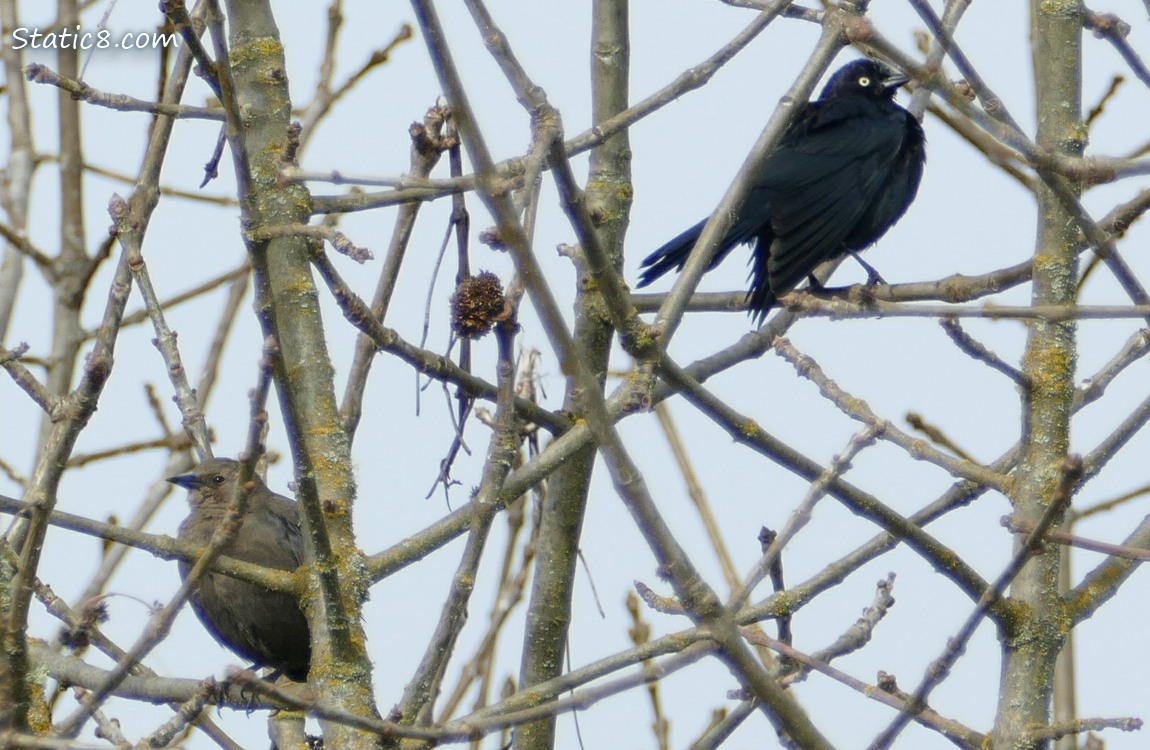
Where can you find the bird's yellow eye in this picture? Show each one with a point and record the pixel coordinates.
(864, 82)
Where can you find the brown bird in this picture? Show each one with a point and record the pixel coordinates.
(268, 628)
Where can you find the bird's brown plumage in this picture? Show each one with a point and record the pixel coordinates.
(266, 627)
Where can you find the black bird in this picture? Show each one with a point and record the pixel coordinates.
(268, 628)
(845, 171)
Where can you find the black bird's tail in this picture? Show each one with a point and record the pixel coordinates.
(761, 296)
(671, 255)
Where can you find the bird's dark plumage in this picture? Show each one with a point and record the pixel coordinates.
(268, 628)
(845, 171)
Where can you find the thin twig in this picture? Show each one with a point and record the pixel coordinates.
(1069, 474)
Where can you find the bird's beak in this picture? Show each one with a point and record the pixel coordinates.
(894, 80)
(187, 481)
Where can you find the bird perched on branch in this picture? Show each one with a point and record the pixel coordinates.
(268, 628)
(844, 172)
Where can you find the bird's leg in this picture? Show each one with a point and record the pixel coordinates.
(872, 276)
(244, 678)
(219, 692)
(247, 695)
(246, 691)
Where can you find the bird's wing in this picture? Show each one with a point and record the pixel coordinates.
(823, 180)
(272, 532)
(897, 191)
